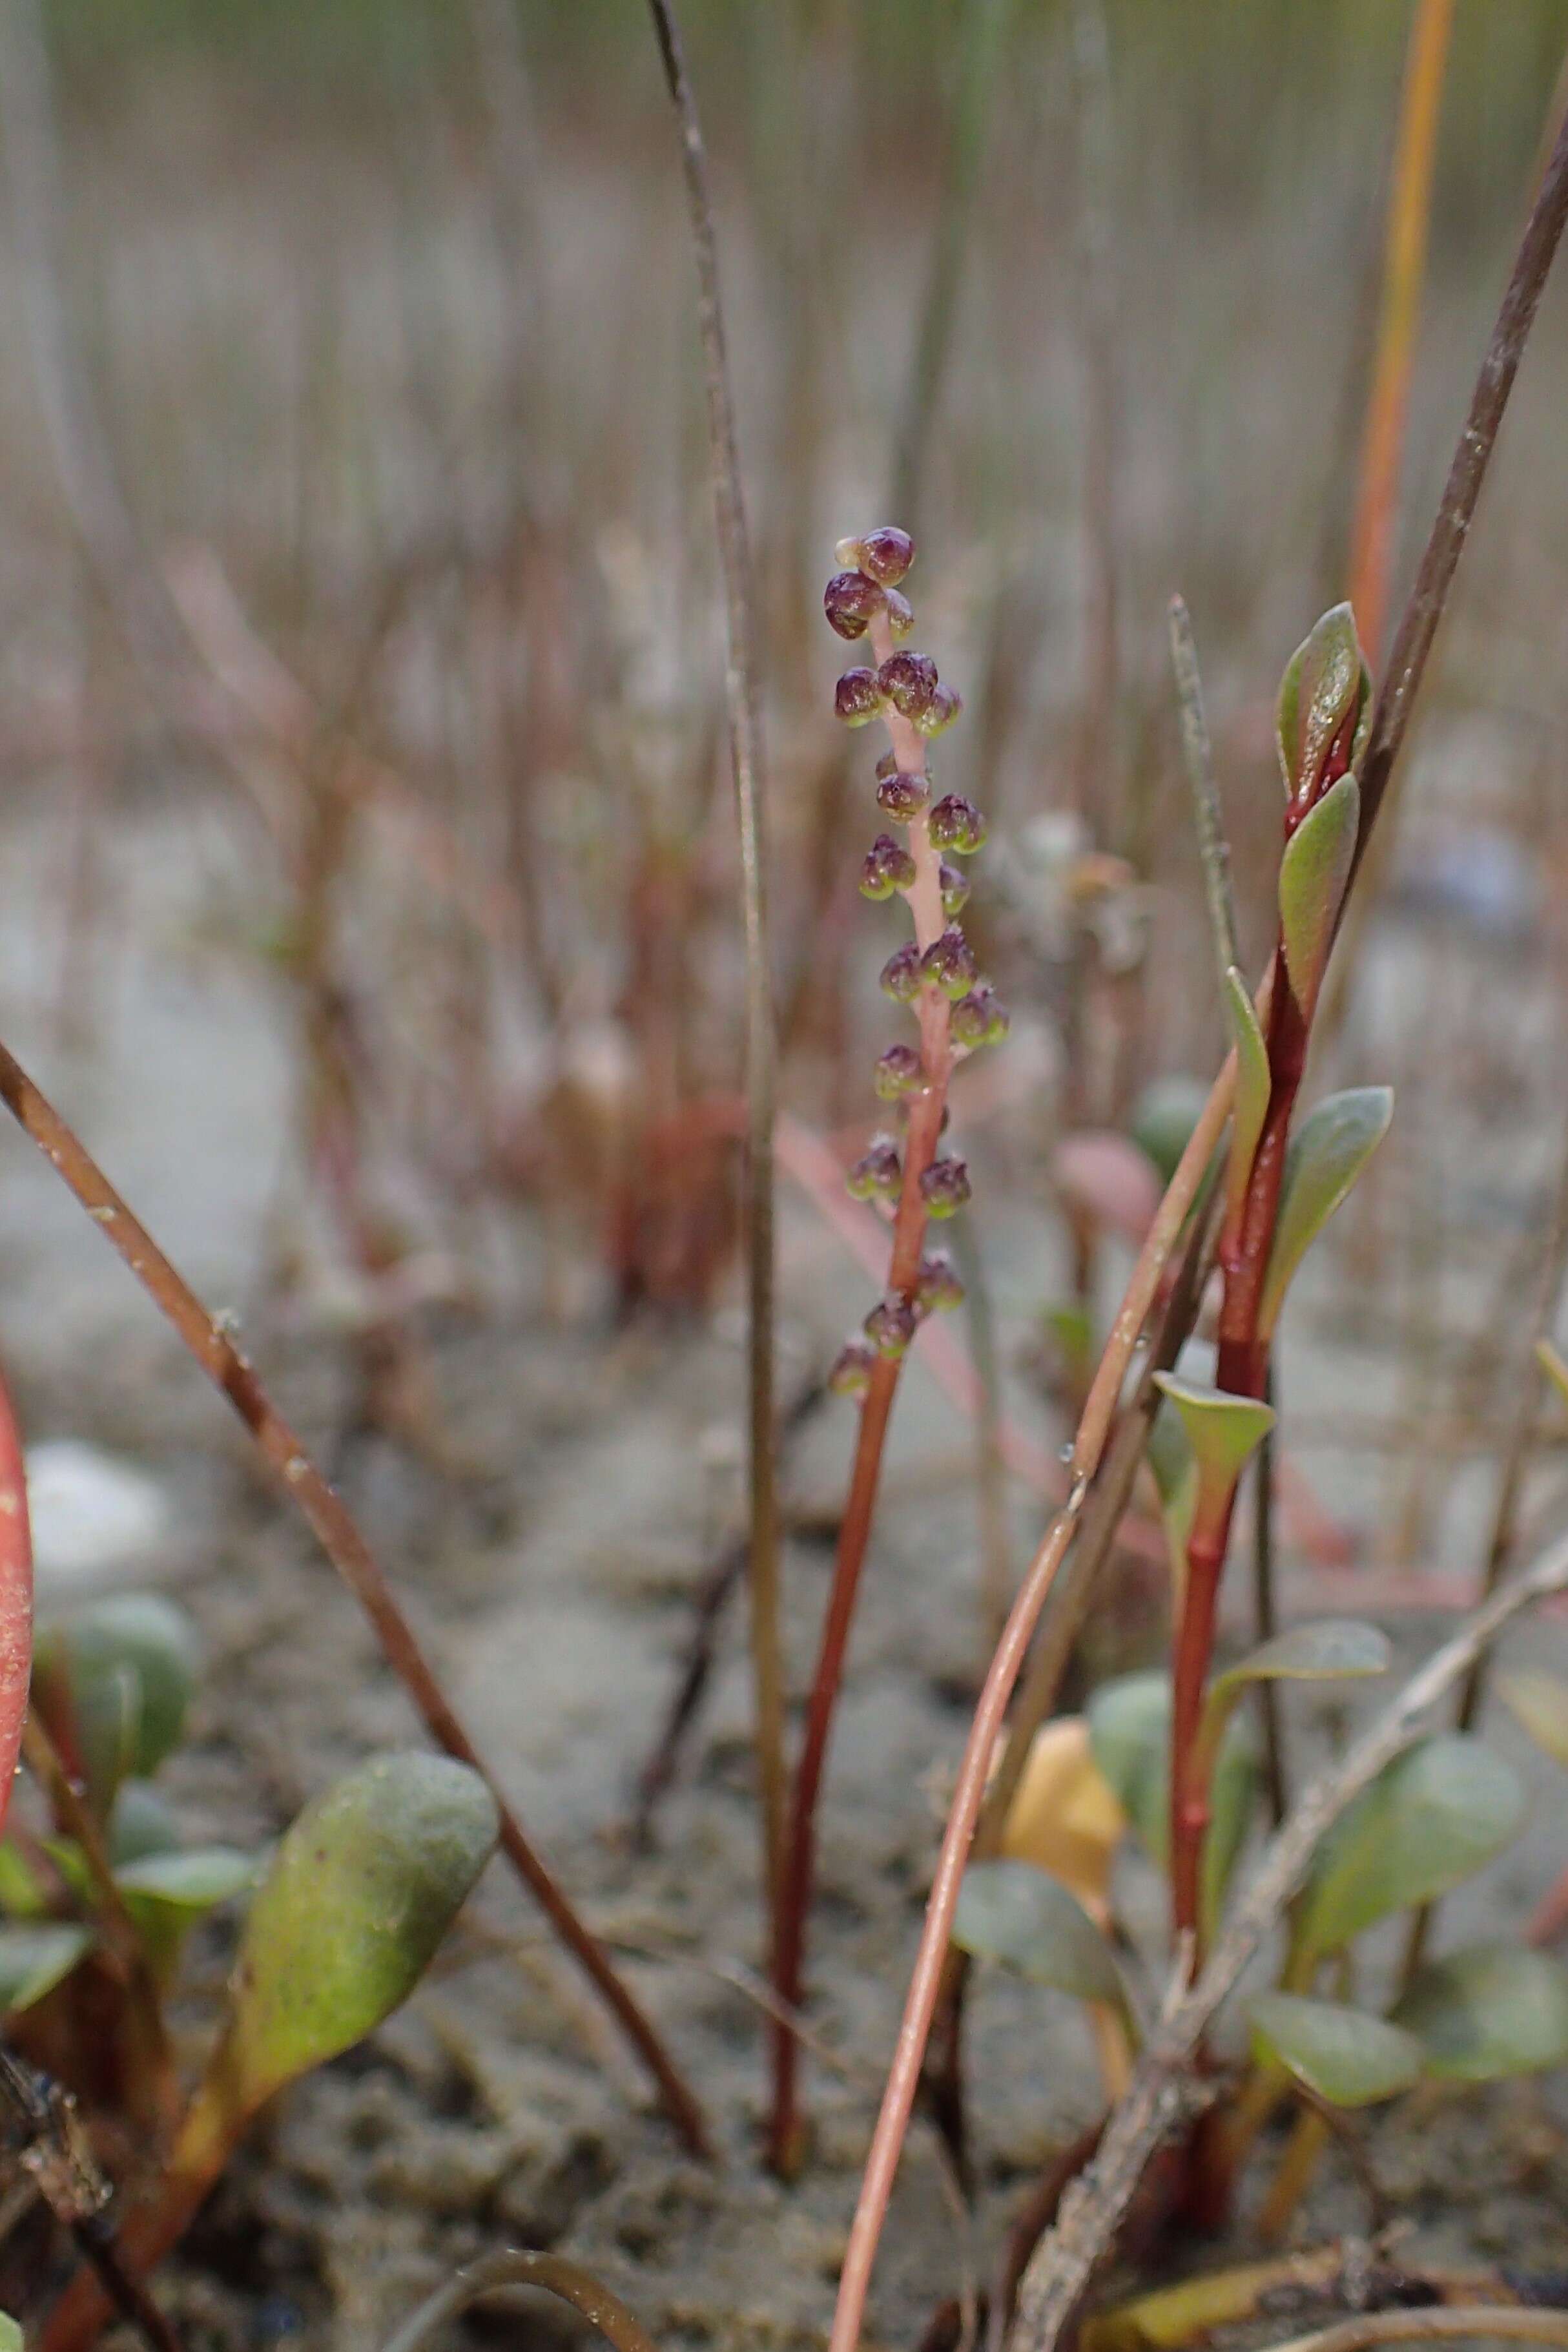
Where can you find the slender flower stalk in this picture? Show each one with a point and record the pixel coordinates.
(934, 974)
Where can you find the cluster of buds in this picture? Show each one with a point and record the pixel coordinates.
(935, 973)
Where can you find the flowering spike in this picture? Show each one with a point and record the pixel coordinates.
(945, 1187)
(890, 1326)
(938, 1288)
(877, 1173)
(857, 698)
(955, 888)
(851, 602)
(887, 866)
(903, 794)
(852, 1369)
(900, 616)
(910, 683)
(950, 963)
(902, 975)
(899, 1072)
(956, 825)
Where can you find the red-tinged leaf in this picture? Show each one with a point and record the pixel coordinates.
(16, 1598)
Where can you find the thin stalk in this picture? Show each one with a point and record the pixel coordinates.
(1265, 1618)
(1391, 720)
(1098, 799)
(922, 1136)
(16, 1596)
(1475, 2322)
(1212, 847)
(1403, 269)
(990, 1456)
(335, 1529)
(553, 2272)
(926, 1983)
(748, 761)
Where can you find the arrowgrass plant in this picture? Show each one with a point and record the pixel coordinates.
(935, 973)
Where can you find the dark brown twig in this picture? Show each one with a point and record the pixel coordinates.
(746, 757)
(336, 1530)
(51, 2150)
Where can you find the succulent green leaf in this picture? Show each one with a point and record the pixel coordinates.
(1026, 1920)
(1489, 2010)
(1541, 1704)
(1223, 1431)
(1337, 1649)
(125, 1669)
(193, 1881)
(1313, 873)
(1130, 1737)
(1327, 1154)
(36, 1958)
(1175, 1474)
(1434, 1815)
(166, 1893)
(361, 1890)
(1164, 1118)
(143, 1823)
(1253, 1085)
(1344, 2055)
(1325, 681)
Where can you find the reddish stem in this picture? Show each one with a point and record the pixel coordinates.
(921, 1138)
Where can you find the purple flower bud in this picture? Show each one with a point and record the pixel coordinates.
(852, 1368)
(950, 963)
(850, 600)
(902, 974)
(900, 616)
(857, 698)
(887, 765)
(958, 826)
(954, 889)
(902, 795)
(980, 1019)
(945, 1187)
(887, 553)
(887, 866)
(899, 1071)
(937, 715)
(936, 1286)
(909, 682)
(890, 1327)
(877, 1173)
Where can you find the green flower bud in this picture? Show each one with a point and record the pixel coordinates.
(900, 616)
(886, 867)
(950, 963)
(900, 1071)
(945, 1187)
(980, 1019)
(877, 1174)
(937, 1289)
(938, 714)
(903, 794)
(850, 600)
(857, 698)
(956, 825)
(909, 682)
(890, 1327)
(955, 890)
(902, 974)
(852, 1369)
